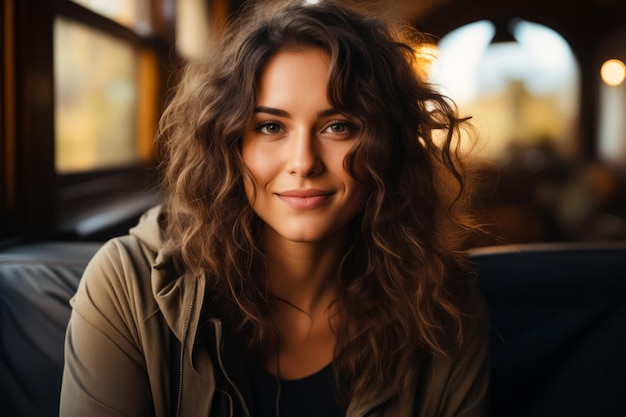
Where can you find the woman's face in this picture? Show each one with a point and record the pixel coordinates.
(295, 146)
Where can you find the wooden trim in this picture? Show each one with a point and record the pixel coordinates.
(147, 79)
(34, 116)
(75, 11)
(7, 154)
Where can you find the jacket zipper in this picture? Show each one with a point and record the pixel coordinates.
(182, 351)
(218, 341)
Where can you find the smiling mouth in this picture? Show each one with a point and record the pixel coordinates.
(305, 199)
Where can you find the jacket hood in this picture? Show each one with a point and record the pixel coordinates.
(148, 230)
(178, 294)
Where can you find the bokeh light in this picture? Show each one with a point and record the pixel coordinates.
(613, 72)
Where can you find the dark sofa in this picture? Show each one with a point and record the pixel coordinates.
(36, 282)
(558, 316)
(558, 312)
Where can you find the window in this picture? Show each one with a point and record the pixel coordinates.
(95, 79)
(82, 87)
(520, 91)
(520, 82)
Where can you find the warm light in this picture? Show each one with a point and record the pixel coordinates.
(613, 72)
(426, 55)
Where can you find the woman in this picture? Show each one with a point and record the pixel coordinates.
(307, 258)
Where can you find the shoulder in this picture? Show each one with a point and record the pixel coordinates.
(117, 282)
(115, 343)
(121, 255)
(457, 384)
(135, 280)
(121, 269)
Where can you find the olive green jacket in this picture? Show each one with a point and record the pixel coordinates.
(138, 345)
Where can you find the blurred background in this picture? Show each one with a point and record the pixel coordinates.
(84, 81)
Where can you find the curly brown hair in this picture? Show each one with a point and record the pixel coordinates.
(401, 277)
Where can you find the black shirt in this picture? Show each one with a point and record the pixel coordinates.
(311, 396)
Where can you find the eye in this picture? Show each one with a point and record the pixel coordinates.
(269, 128)
(339, 128)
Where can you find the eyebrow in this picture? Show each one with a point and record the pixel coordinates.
(271, 110)
(283, 113)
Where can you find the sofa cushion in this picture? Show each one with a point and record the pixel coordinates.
(36, 282)
(558, 315)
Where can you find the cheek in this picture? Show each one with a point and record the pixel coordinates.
(257, 162)
(257, 159)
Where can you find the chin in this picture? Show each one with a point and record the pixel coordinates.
(300, 237)
(308, 234)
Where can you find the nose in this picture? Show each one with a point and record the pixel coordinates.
(303, 156)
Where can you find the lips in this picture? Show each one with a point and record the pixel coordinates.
(305, 199)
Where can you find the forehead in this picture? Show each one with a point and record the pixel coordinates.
(300, 72)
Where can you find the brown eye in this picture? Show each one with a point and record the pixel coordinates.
(339, 128)
(270, 128)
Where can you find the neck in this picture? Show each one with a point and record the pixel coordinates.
(303, 277)
(304, 274)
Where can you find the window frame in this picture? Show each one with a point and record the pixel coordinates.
(37, 203)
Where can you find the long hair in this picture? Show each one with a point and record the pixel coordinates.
(401, 288)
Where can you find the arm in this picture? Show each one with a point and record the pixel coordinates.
(457, 385)
(105, 372)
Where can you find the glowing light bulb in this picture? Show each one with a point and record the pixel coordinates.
(613, 72)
